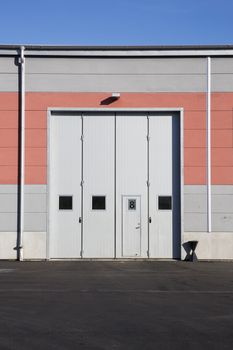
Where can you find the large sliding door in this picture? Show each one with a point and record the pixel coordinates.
(114, 185)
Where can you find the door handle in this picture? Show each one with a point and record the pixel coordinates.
(138, 227)
(80, 220)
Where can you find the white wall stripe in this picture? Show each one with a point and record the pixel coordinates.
(22, 150)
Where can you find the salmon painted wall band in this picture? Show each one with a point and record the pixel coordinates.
(194, 105)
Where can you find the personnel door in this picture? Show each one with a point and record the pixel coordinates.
(131, 222)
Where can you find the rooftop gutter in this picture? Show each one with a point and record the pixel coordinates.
(119, 51)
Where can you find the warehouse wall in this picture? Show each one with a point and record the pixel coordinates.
(144, 83)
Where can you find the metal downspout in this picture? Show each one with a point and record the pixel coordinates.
(208, 148)
(22, 152)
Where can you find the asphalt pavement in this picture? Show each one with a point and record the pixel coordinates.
(116, 305)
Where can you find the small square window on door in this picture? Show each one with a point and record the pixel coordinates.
(132, 204)
(164, 202)
(65, 202)
(98, 202)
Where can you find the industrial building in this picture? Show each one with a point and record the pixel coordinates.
(116, 152)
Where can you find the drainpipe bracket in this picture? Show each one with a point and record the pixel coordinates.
(21, 60)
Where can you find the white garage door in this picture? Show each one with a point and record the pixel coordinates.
(114, 186)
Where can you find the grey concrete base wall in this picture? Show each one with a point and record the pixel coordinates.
(211, 246)
(34, 245)
(215, 245)
(195, 208)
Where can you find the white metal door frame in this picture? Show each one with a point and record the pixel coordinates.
(67, 111)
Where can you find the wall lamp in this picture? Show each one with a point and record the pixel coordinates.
(116, 95)
(112, 98)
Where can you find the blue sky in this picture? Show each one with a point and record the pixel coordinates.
(116, 22)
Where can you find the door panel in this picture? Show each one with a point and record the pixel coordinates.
(65, 189)
(160, 173)
(98, 188)
(131, 226)
(131, 170)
